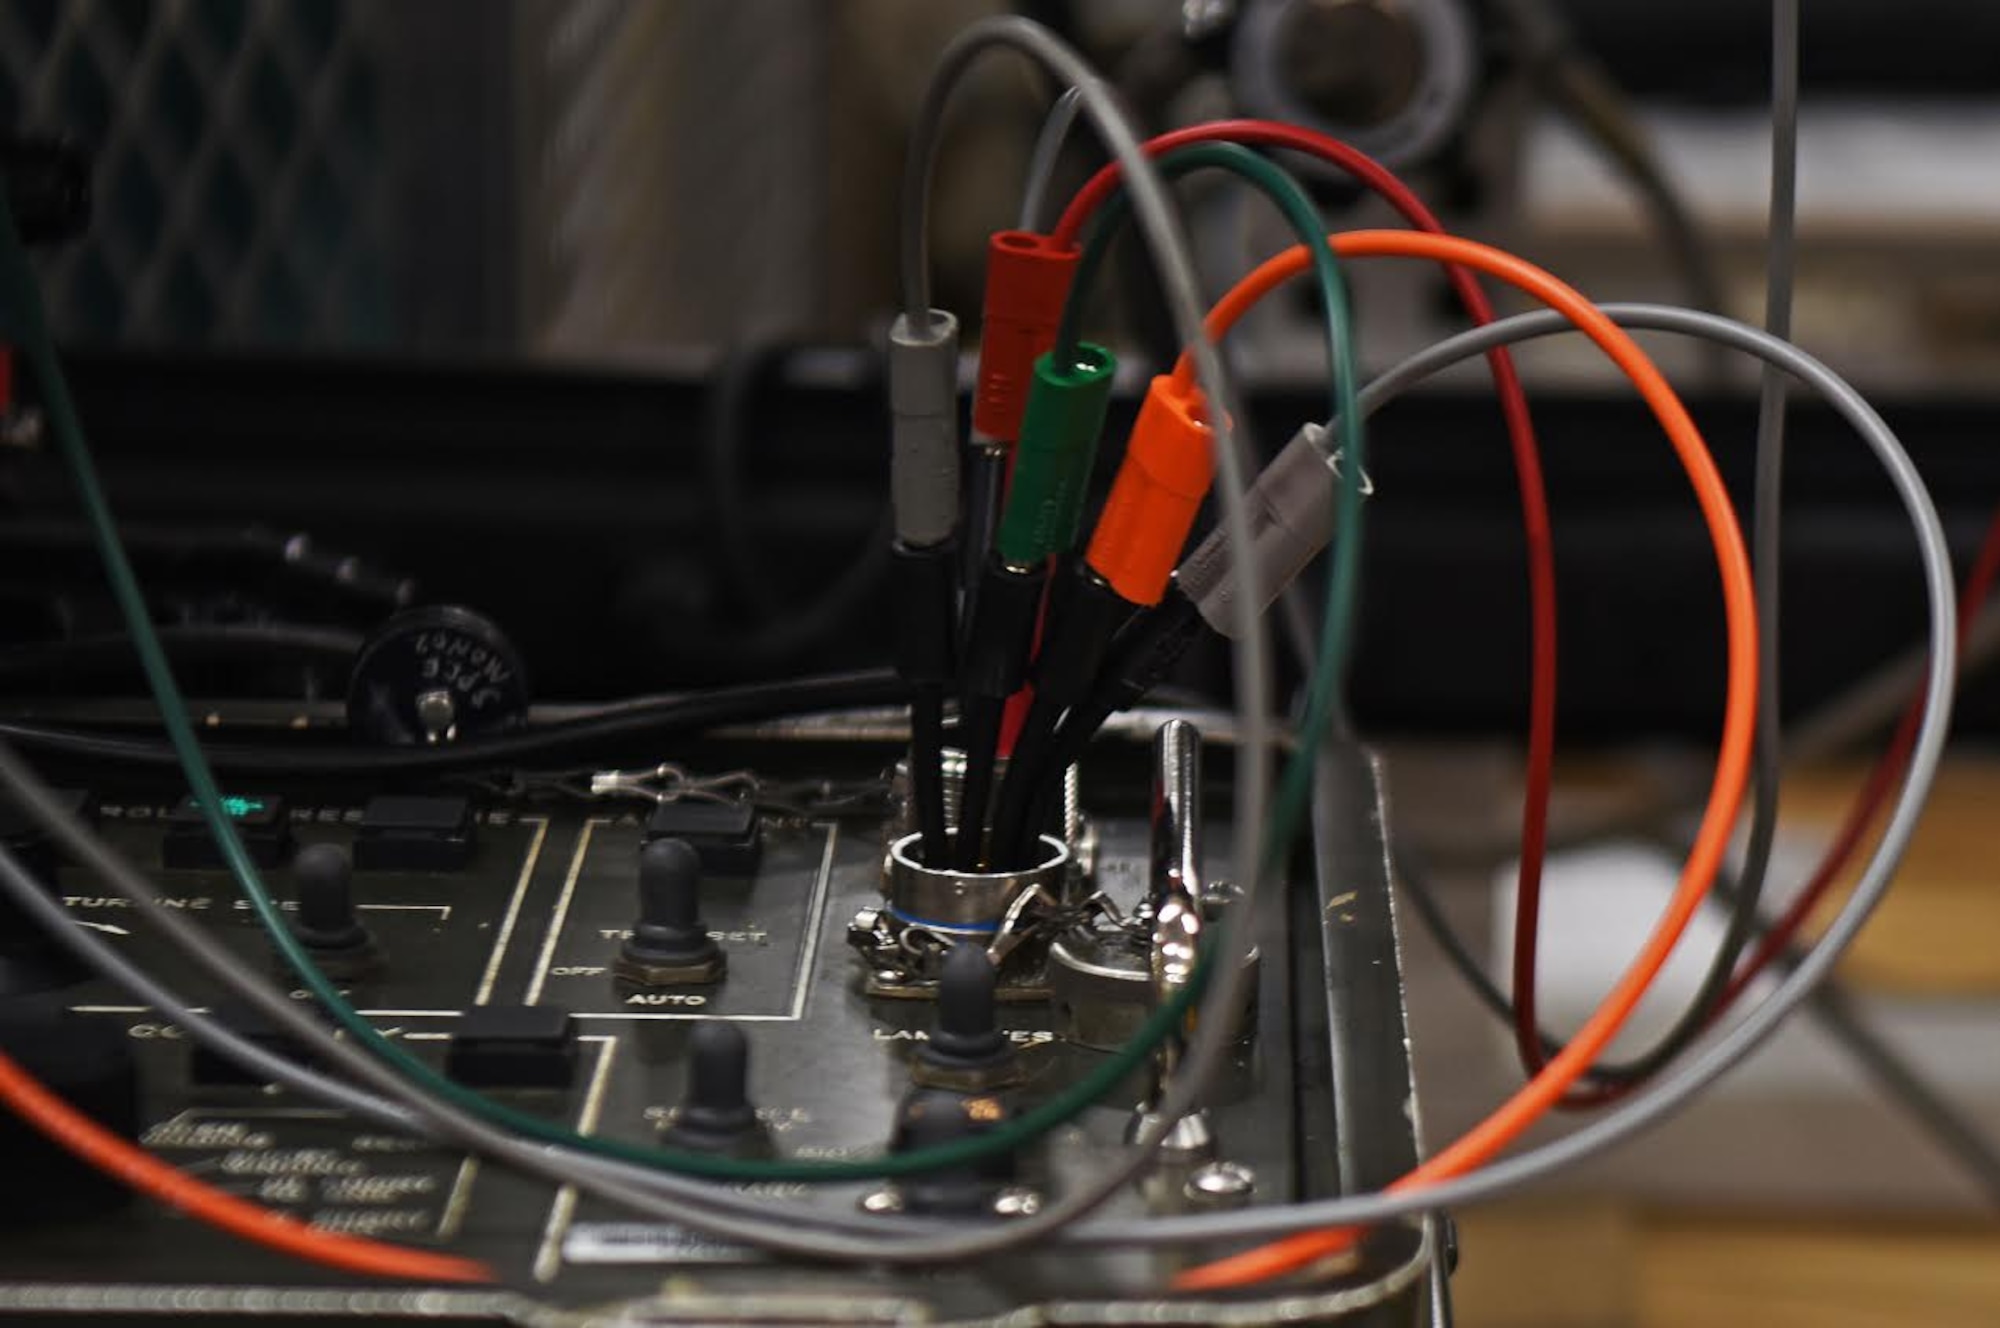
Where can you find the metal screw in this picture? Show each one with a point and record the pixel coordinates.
(885, 1202)
(1220, 1185)
(22, 428)
(437, 713)
(1016, 1201)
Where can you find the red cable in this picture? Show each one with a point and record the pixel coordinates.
(33, 1102)
(1527, 470)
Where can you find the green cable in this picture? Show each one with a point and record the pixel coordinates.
(18, 284)
(1291, 200)
(1323, 700)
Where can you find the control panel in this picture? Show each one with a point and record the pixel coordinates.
(705, 974)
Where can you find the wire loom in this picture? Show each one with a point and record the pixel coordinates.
(1461, 1171)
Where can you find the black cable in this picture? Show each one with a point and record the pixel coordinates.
(61, 551)
(1442, 1315)
(998, 639)
(715, 648)
(979, 736)
(662, 718)
(1025, 795)
(784, 632)
(260, 643)
(1895, 1077)
(926, 590)
(1142, 654)
(927, 769)
(1085, 617)
(985, 493)
(725, 439)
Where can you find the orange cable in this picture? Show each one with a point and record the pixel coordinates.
(34, 1103)
(1536, 1097)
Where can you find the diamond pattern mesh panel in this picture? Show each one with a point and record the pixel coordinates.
(242, 171)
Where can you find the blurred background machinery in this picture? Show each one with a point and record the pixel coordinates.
(346, 257)
(512, 177)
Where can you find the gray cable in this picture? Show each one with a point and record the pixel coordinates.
(556, 1165)
(1767, 525)
(1873, 704)
(1673, 1092)
(1781, 269)
(27, 895)
(1042, 161)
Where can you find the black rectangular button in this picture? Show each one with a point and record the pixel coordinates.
(209, 1068)
(260, 819)
(724, 834)
(403, 833)
(513, 1046)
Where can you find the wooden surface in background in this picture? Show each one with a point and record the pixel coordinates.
(1600, 1266)
(1603, 1265)
(1938, 932)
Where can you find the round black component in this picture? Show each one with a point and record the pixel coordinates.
(436, 674)
(715, 1115)
(967, 1033)
(89, 1063)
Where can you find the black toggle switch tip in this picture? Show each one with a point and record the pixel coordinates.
(326, 919)
(967, 1048)
(669, 944)
(715, 1115)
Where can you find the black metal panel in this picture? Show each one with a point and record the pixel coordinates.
(572, 506)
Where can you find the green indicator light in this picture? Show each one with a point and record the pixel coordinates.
(239, 807)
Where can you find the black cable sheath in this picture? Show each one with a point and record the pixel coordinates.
(927, 770)
(926, 646)
(185, 643)
(665, 718)
(979, 730)
(1021, 811)
(782, 633)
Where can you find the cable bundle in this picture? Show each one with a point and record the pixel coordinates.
(1046, 625)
